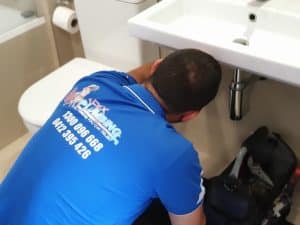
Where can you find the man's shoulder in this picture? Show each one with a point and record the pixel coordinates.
(109, 77)
(173, 145)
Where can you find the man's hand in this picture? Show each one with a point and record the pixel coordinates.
(197, 217)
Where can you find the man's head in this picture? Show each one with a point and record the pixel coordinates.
(186, 81)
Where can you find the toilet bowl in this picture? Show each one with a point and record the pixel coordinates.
(104, 40)
(39, 101)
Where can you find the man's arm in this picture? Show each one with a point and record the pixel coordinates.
(197, 217)
(144, 72)
(180, 189)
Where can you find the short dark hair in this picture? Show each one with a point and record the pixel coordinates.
(187, 80)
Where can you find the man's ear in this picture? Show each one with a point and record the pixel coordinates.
(155, 65)
(189, 115)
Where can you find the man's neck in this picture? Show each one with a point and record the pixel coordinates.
(170, 117)
(151, 89)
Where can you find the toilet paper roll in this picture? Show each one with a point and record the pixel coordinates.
(66, 19)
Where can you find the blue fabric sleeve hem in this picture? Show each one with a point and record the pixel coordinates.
(187, 211)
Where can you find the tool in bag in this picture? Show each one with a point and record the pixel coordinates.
(282, 204)
(254, 189)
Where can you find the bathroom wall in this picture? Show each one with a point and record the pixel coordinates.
(68, 46)
(23, 60)
(27, 58)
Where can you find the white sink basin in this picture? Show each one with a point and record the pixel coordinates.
(222, 27)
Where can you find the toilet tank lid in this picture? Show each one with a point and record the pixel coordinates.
(39, 101)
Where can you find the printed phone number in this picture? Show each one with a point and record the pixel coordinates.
(78, 130)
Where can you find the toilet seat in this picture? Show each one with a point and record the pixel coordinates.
(40, 100)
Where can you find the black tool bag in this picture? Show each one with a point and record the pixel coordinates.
(245, 192)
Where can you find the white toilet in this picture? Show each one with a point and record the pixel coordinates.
(107, 45)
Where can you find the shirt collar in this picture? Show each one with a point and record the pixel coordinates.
(146, 99)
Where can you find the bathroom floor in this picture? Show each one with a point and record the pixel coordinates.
(9, 154)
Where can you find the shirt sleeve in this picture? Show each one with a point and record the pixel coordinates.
(180, 186)
(113, 77)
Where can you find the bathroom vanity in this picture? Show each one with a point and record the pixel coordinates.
(258, 36)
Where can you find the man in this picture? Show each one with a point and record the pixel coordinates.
(101, 159)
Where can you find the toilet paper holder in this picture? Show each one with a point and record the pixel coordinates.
(63, 2)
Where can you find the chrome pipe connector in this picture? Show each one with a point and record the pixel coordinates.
(236, 96)
(236, 92)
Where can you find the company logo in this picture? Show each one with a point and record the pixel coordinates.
(94, 112)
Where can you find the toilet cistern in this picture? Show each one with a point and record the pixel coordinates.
(107, 44)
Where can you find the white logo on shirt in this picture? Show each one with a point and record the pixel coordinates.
(94, 112)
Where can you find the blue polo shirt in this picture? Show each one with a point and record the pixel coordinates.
(102, 156)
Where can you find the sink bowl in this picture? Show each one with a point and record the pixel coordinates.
(260, 37)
